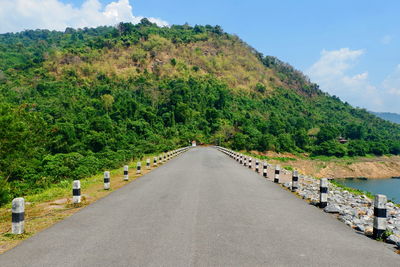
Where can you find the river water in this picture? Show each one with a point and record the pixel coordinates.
(389, 187)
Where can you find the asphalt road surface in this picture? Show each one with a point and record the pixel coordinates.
(200, 209)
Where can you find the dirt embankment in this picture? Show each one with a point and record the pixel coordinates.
(377, 167)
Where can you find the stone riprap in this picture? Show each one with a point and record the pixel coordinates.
(356, 211)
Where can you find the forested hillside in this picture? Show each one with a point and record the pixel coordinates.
(76, 102)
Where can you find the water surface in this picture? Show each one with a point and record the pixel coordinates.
(389, 187)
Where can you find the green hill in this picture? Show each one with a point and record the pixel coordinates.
(76, 102)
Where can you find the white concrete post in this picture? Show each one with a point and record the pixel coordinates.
(126, 173)
(257, 166)
(106, 180)
(138, 167)
(250, 159)
(265, 166)
(18, 216)
(76, 192)
(295, 181)
(155, 161)
(277, 173)
(380, 216)
(148, 164)
(323, 193)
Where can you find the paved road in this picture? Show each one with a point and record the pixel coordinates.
(200, 209)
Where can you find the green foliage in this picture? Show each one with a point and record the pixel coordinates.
(4, 191)
(357, 148)
(330, 148)
(64, 116)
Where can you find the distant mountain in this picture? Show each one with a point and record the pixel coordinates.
(393, 117)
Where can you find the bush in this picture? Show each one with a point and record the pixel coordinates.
(379, 148)
(357, 148)
(5, 195)
(330, 148)
(69, 166)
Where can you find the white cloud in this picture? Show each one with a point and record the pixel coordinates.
(392, 82)
(17, 15)
(331, 73)
(387, 39)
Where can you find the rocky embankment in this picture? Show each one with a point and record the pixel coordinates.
(356, 211)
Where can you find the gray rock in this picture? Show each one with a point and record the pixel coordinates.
(349, 223)
(360, 227)
(332, 208)
(393, 239)
(370, 212)
(368, 231)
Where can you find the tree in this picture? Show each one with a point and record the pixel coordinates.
(331, 148)
(357, 148)
(327, 133)
(108, 101)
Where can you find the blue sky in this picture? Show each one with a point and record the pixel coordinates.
(351, 48)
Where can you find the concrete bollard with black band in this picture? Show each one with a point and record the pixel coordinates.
(250, 159)
(76, 192)
(237, 157)
(241, 159)
(155, 161)
(380, 216)
(257, 166)
(277, 173)
(126, 173)
(106, 180)
(323, 193)
(18, 216)
(265, 166)
(165, 158)
(160, 159)
(138, 167)
(245, 162)
(148, 164)
(295, 181)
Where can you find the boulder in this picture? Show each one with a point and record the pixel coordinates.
(360, 227)
(393, 239)
(332, 209)
(368, 231)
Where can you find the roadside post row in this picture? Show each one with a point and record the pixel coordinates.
(380, 210)
(18, 204)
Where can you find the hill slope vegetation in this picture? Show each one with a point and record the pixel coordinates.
(76, 102)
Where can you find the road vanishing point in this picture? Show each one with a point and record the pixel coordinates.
(200, 209)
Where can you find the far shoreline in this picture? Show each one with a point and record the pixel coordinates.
(379, 167)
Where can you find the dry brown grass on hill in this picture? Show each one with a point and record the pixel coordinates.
(229, 60)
